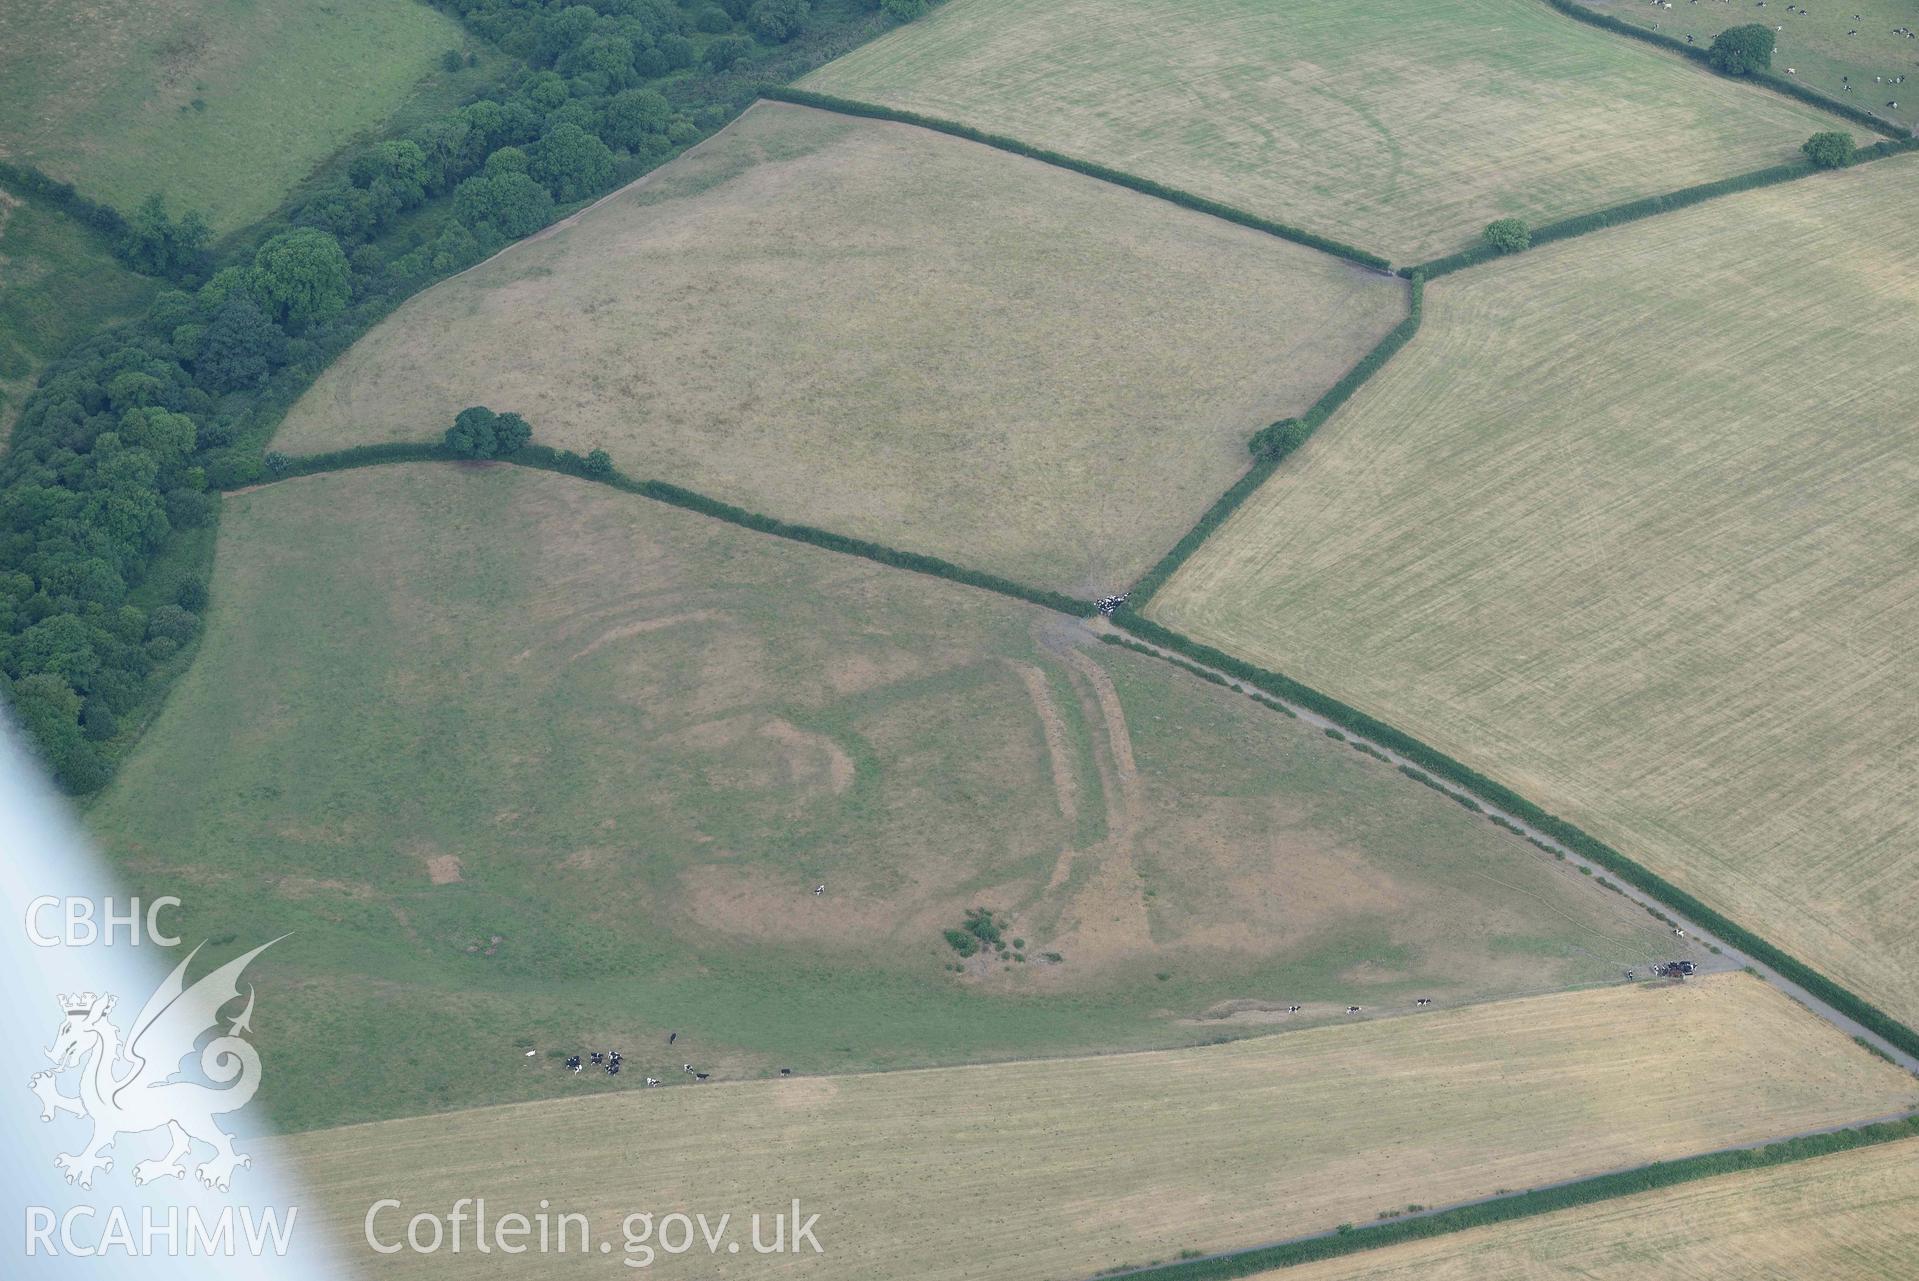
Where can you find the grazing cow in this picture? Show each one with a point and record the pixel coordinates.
(598, 1057)
(1424, 1000)
(573, 1064)
(700, 1076)
(686, 1067)
(612, 1069)
(672, 1037)
(819, 889)
(1352, 1009)
(786, 1071)
(652, 1080)
(1292, 1009)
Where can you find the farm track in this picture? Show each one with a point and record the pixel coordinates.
(1739, 958)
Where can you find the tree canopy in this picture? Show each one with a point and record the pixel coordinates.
(301, 277)
(1829, 150)
(1508, 235)
(1742, 50)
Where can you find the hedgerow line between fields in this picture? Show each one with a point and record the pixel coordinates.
(1349, 1239)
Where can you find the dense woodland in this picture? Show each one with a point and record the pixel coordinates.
(118, 452)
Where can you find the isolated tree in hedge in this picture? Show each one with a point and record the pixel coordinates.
(1740, 51)
(777, 21)
(302, 277)
(1830, 150)
(478, 432)
(903, 10)
(1508, 235)
(599, 463)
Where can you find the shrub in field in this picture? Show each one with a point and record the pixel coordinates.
(1508, 235)
(1831, 149)
(1741, 50)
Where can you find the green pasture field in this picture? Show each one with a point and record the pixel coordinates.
(1852, 1216)
(1069, 1167)
(523, 761)
(219, 105)
(1402, 126)
(887, 332)
(1815, 47)
(59, 284)
(1629, 528)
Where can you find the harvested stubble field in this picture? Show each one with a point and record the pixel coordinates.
(1401, 126)
(1629, 527)
(220, 105)
(1816, 44)
(887, 332)
(1065, 1167)
(525, 761)
(1853, 1216)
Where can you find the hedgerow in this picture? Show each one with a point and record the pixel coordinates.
(546, 458)
(1855, 1007)
(1187, 199)
(30, 181)
(1271, 445)
(1630, 211)
(1647, 1178)
(1779, 84)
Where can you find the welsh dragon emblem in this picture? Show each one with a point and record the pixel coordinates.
(132, 1087)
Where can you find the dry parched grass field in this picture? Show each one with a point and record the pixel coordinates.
(1630, 527)
(520, 758)
(1401, 126)
(220, 105)
(1063, 1168)
(1853, 1216)
(888, 332)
